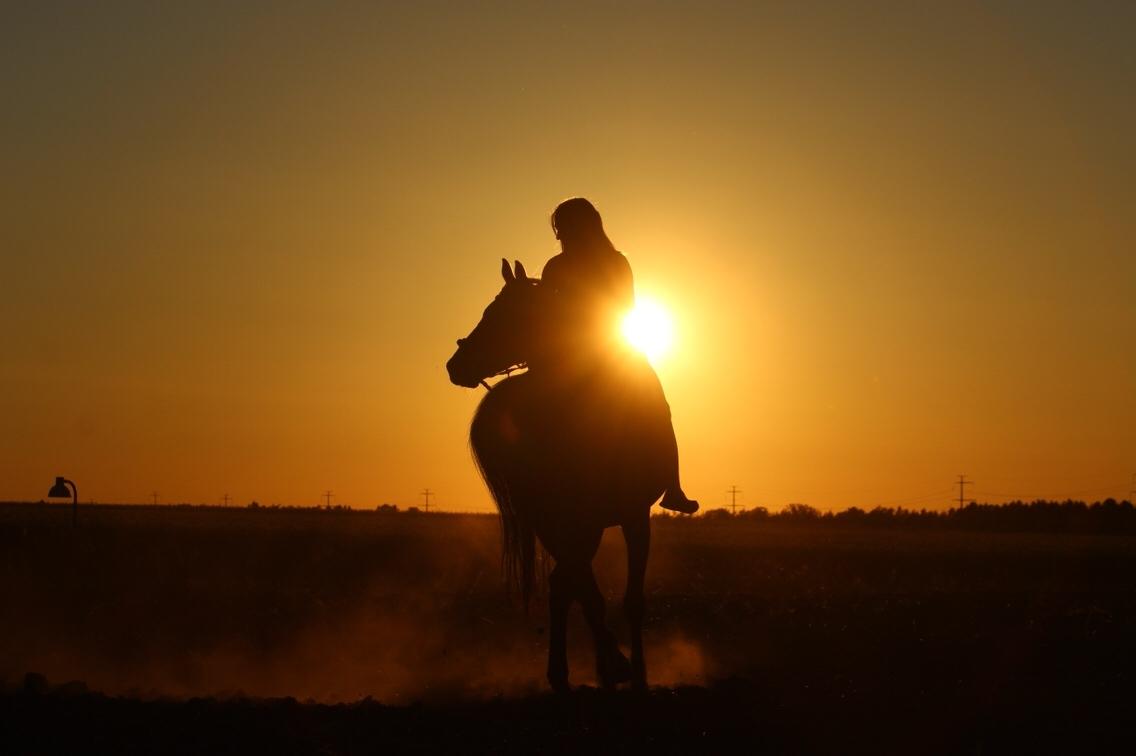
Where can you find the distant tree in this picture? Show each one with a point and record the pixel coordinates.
(881, 516)
(717, 514)
(798, 512)
(387, 508)
(413, 510)
(254, 505)
(851, 516)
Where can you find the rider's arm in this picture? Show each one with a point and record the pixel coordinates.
(553, 274)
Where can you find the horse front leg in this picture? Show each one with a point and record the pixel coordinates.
(612, 666)
(637, 534)
(559, 599)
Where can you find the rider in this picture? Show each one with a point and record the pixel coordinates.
(594, 289)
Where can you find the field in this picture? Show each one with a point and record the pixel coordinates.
(186, 630)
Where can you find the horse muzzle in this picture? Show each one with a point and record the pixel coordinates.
(461, 372)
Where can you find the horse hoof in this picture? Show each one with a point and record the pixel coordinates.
(559, 686)
(639, 676)
(613, 670)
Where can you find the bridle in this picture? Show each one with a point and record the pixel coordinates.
(506, 372)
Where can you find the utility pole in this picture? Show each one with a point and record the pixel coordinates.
(733, 492)
(225, 499)
(427, 493)
(154, 496)
(327, 497)
(963, 482)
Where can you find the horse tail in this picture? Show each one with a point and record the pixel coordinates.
(518, 541)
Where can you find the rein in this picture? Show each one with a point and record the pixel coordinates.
(506, 372)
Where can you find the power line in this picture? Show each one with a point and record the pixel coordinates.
(225, 499)
(733, 492)
(1051, 495)
(327, 497)
(939, 494)
(963, 482)
(427, 493)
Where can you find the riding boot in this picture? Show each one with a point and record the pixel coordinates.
(676, 501)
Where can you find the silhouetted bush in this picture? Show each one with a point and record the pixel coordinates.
(1102, 517)
(800, 513)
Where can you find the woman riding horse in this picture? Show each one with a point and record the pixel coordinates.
(580, 442)
(594, 289)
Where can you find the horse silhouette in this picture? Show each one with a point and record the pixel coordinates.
(566, 450)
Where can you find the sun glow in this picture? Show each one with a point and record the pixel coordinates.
(648, 328)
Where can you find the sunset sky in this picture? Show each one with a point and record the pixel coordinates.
(238, 240)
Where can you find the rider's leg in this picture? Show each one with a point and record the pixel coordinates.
(675, 499)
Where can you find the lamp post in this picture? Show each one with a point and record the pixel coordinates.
(59, 491)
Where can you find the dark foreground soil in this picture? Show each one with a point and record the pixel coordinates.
(235, 632)
(734, 715)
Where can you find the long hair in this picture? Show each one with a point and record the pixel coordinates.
(578, 226)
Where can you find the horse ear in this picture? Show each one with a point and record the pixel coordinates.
(520, 271)
(506, 271)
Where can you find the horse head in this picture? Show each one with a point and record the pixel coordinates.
(504, 338)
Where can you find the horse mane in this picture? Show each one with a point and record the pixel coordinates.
(487, 444)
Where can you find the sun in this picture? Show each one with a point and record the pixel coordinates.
(648, 328)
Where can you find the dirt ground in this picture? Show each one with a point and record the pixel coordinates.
(204, 630)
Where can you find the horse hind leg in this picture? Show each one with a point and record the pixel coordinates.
(559, 600)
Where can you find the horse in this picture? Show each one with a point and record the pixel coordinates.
(565, 453)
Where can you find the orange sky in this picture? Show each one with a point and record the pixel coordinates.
(238, 243)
